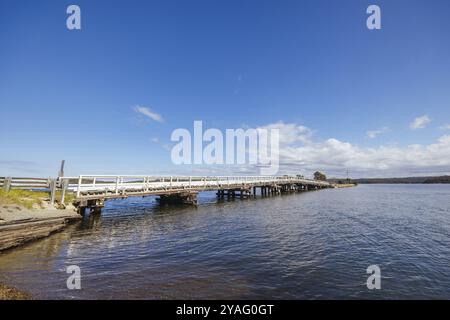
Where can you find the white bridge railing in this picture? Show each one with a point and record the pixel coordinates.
(112, 184)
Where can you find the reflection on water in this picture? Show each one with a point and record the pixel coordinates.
(310, 245)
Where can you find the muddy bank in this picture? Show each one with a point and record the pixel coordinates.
(19, 225)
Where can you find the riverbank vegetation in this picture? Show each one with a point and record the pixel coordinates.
(30, 199)
(427, 180)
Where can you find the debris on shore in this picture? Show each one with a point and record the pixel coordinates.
(8, 293)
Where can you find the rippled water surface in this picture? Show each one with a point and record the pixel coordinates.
(300, 246)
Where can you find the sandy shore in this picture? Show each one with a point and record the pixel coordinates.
(10, 213)
(19, 225)
(345, 185)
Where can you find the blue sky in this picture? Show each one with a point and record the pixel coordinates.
(73, 94)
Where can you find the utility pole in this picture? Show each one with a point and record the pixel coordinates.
(61, 171)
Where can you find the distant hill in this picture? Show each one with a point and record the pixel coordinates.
(436, 179)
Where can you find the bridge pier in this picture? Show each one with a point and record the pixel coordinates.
(179, 198)
(94, 205)
(232, 193)
(245, 193)
(277, 190)
(263, 191)
(220, 194)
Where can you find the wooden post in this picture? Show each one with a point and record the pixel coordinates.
(61, 170)
(7, 184)
(63, 190)
(52, 191)
(80, 179)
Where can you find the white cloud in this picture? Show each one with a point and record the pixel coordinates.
(290, 132)
(148, 113)
(155, 140)
(300, 153)
(420, 122)
(374, 133)
(445, 127)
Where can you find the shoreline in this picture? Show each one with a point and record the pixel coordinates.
(344, 185)
(20, 226)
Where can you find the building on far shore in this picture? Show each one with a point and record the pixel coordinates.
(320, 176)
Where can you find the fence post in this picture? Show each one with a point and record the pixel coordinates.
(7, 184)
(63, 190)
(80, 180)
(52, 191)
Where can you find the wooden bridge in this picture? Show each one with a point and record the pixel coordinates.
(91, 191)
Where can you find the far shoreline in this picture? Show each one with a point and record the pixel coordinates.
(445, 179)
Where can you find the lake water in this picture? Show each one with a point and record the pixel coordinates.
(314, 245)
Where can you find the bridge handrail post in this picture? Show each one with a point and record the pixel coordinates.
(7, 184)
(80, 180)
(64, 185)
(117, 184)
(52, 191)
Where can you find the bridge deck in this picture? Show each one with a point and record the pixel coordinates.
(109, 187)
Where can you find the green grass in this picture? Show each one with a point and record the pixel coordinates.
(27, 198)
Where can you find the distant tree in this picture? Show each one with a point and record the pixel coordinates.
(319, 176)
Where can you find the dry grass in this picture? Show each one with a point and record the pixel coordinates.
(27, 198)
